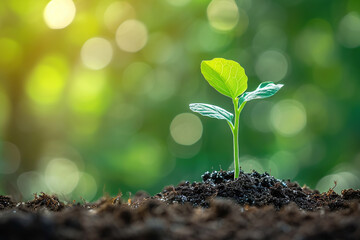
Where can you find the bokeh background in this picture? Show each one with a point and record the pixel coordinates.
(94, 94)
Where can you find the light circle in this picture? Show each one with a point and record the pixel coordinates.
(338, 182)
(131, 36)
(96, 53)
(223, 15)
(59, 14)
(30, 183)
(271, 66)
(349, 30)
(186, 129)
(86, 188)
(61, 175)
(288, 117)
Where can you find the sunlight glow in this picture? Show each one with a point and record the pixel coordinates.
(344, 180)
(59, 13)
(131, 36)
(86, 188)
(61, 175)
(88, 92)
(31, 182)
(249, 163)
(271, 66)
(96, 53)
(349, 30)
(223, 15)
(46, 82)
(186, 129)
(288, 117)
(144, 154)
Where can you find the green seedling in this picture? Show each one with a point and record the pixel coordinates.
(229, 78)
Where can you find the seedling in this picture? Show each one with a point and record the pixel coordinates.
(229, 78)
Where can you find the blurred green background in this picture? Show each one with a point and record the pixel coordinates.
(94, 94)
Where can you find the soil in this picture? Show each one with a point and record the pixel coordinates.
(255, 206)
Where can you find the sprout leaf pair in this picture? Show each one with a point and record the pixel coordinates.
(229, 78)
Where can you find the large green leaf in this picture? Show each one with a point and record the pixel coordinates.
(212, 111)
(226, 76)
(264, 90)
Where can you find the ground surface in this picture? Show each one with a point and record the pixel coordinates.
(255, 206)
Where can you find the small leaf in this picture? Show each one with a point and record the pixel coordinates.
(211, 111)
(264, 90)
(226, 76)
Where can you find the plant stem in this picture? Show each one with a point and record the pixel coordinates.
(236, 138)
(235, 131)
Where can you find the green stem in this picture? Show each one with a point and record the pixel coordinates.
(236, 139)
(235, 131)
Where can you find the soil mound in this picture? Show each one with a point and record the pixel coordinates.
(254, 189)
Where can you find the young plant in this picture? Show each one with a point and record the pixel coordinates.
(229, 78)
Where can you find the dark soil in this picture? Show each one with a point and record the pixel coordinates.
(255, 206)
(254, 189)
